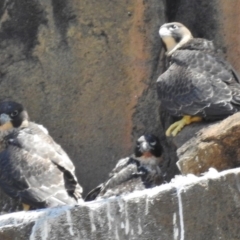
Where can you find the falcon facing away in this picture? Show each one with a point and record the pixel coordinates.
(199, 83)
(33, 168)
(137, 172)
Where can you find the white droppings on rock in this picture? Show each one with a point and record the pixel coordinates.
(46, 222)
(110, 219)
(175, 227)
(15, 222)
(39, 226)
(44, 230)
(237, 182)
(211, 173)
(146, 206)
(139, 227)
(116, 234)
(126, 220)
(180, 210)
(70, 223)
(91, 217)
(120, 204)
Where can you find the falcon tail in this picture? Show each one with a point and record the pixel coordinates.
(93, 193)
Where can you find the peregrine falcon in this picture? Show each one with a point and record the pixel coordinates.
(33, 168)
(137, 172)
(199, 83)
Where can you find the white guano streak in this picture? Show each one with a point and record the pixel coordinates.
(126, 220)
(146, 206)
(175, 227)
(110, 219)
(93, 227)
(180, 209)
(69, 220)
(40, 225)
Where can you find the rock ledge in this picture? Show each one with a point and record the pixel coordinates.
(177, 210)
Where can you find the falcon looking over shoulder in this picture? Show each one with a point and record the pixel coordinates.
(33, 168)
(199, 83)
(137, 172)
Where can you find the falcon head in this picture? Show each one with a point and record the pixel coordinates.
(12, 115)
(174, 35)
(148, 146)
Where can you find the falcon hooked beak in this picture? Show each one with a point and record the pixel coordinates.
(5, 122)
(174, 35)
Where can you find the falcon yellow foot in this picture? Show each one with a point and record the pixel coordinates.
(176, 127)
(26, 207)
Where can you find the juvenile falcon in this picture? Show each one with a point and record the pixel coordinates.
(199, 83)
(137, 172)
(33, 168)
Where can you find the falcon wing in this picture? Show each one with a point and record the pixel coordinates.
(32, 170)
(122, 173)
(197, 84)
(44, 146)
(125, 170)
(32, 179)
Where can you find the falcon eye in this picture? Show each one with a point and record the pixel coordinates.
(172, 27)
(153, 143)
(14, 113)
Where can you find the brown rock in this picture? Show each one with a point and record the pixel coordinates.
(215, 146)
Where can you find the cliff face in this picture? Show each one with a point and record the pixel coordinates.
(80, 68)
(86, 70)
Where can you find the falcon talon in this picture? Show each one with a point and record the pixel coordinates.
(176, 127)
(199, 83)
(26, 207)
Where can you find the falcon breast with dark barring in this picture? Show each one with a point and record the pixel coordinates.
(139, 171)
(33, 168)
(199, 83)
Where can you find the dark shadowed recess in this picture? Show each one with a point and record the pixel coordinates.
(29, 15)
(196, 15)
(63, 15)
(147, 117)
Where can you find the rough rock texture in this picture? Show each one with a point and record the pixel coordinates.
(84, 69)
(188, 208)
(216, 146)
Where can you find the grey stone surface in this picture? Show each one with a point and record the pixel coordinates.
(190, 207)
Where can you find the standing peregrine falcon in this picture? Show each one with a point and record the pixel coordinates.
(137, 172)
(33, 168)
(199, 83)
